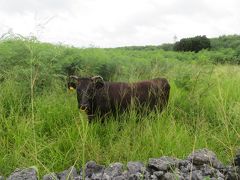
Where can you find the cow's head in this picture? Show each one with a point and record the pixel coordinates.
(86, 90)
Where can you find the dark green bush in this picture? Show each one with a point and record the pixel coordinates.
(192, 44)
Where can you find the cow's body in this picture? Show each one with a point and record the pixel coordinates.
(118, 96)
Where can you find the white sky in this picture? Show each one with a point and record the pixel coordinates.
(111, 23)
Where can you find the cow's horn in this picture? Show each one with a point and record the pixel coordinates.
(97, 77)
(74, 77)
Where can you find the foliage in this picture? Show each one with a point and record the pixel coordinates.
(195, 44)
(167, 46)
(226, 41)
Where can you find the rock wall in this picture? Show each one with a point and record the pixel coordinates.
(201, 164)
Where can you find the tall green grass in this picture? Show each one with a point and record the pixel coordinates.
(44, 128)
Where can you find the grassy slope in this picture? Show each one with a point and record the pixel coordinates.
(43, 127)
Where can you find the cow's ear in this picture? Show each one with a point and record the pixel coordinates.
(74, 77)
(98, 81)
(72, 85)
(99, 84)
(73, 82)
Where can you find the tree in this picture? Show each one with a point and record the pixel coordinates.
(195, 44)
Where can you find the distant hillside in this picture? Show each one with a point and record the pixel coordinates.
(221, 42)
(230, 41)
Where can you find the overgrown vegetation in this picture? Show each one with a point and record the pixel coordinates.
(40, 124)
(221, 50)
(194, 44)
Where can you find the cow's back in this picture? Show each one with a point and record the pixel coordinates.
(149, 92)
(95, 95)
(154, 92)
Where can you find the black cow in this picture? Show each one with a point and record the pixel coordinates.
(94, 94)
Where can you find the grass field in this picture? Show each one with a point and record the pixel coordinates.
(40, 124)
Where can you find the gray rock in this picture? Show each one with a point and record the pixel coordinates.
(79, 178)
(202, 164)
(158, 174)
(178, 174)
(162, 164)
(237, 158)
(135, 171)
(80, 175)
(113, 170)
(51, 176)
(69, 174)
(186, 166)
(204, 156)
(136, 176)
(125, 173)
(146, 175)
(184, 169)
(24, 174)
(183, 163)
(119, 178)
(180, 177)
(97, 176)
(219, 175)
(232, 173)
(196, 175)
(135, 167)
(154, 177)
(169, 176)
(106, 177)
(93, 170)
(208, 170)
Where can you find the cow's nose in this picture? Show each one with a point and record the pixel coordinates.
(83, 107)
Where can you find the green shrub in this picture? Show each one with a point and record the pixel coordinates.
(193, 44)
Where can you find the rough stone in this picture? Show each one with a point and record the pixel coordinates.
(136, 176)
(237, 158)
(183, 169)
(162, 164)
(178, 174)
(196, 175)
(186, 166)
(70, 174)
(119, 178)
(208, 170)
(146, 175)
(204, 156)
(135, 167)
(154, 177)
(113, 170)
(23, 174)
(183, 163)
(158, 174)
(97, 176)
(202, 164)
(93, 170)
(219, 175)
(169, 176)
(51, 176)
(135, 170)
(232, 173)
(79, 178)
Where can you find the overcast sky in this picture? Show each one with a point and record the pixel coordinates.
(111, 23)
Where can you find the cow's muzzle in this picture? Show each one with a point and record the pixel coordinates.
(84, 107)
